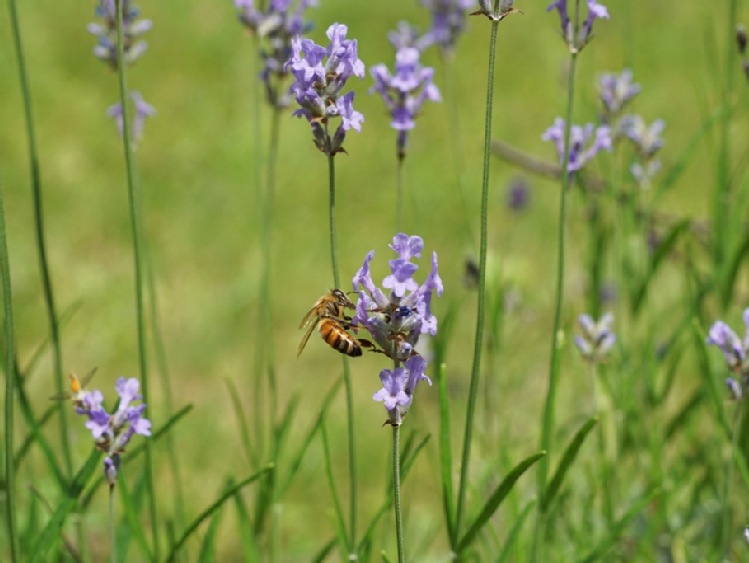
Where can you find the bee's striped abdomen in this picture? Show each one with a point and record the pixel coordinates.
(337, 337)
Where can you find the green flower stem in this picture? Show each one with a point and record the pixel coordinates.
(10, 391)
(112, 527)
(346, 368)
(547, 427)
(136, 227)
(399, 198)
(397, 492)
(36, 187)
(726, 528)
(478, 343)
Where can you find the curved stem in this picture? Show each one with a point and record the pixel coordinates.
(136, 228)
(478, 342)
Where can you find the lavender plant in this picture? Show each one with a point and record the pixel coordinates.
(404, 93)
(597, 338)
(133, 48)
(396, 321)
(585, 142)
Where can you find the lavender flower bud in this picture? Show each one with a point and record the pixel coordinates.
(734, 350)
(597, 339)
(106, 48)
(404, 92)
(585, 142)
(616, 91)
(142, 111)
(577, 39)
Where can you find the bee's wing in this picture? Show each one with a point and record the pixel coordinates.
(310, 327)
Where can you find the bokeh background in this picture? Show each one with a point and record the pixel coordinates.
(197, 167)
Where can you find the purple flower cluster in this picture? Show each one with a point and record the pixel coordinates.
(404, 91)
(647, 141)
(577, 39)
(142, 110)
(735, 352)
(616, 90)
(448, 21)
(113, 432)
(133, 48)
(397, 320)
(320, 75)
(585, 142)
(275, 26)
(597, 339)
(132, 29)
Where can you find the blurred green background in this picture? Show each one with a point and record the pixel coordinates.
(197, 173)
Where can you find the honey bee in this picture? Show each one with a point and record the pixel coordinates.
(76, 388)
(329, 313)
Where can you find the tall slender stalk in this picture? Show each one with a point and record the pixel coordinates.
(556, 338)
(728, 486)
(346, 368)
(112, 528)
(397, 493)
(399, 197)
(478, 342)
(10, 390)
(137, 229)
(36, 190)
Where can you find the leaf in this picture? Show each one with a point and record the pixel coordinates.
(681, 417)
(615, 531)
(213, 508)
(249, 546)
(661, 252)
(512, 537)
(495, 499)
(567, 459)
(322, 555)
(208, 546)
(51, 531)
(244, 432)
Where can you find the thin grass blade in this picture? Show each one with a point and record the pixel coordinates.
(568, 457)
(208, 512)
(495, 500)
(512, 537)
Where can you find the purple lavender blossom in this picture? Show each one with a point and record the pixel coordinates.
(735, 352)
(406, 35)
(275, 27)
(132, 29)
(518, 194)
(597, 339)
(397, 321)
(448, 22)
(113, 432)
(577, 39)
(398, 388)
(317, 85)
(142, 110)
(616, 91)
(647, 142)
(404, 92)
(597, 139)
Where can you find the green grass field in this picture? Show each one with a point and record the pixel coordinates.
(198, 167)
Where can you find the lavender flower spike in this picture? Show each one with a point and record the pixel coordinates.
(616, 91)
(142, 110)
(320, 75)
(596, 139)
(448, 21)
(735, 352)
(397, 321)
(113, 432)
(132, 29)
(577, 39)
(404, 92)
(597, 339)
